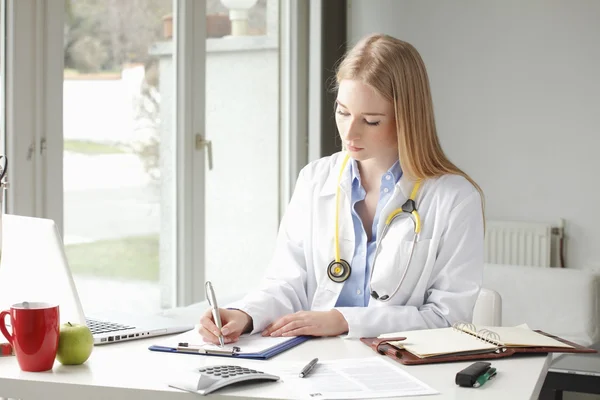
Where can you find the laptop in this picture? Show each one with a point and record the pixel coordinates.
(34, 267)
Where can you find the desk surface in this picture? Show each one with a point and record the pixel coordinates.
(129, 370)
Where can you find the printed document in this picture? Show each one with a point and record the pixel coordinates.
(357, 378)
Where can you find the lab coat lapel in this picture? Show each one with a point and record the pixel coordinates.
(346, 224)
(401, 194)
(328, 291)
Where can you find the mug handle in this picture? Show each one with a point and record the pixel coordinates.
(3, 329)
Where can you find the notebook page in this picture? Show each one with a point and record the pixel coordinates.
(432, 342)
(519, 336)
(247, 343)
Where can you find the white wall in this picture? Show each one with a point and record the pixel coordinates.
(516, 89)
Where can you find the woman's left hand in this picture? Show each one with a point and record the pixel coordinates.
(313, 323)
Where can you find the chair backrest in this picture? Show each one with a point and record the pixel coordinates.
(562, 301)
(488, 308)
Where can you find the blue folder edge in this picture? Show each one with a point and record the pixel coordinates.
(273, 351)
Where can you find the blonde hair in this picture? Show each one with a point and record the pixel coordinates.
(395, 69)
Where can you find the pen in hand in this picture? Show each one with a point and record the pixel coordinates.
(309, 367)
(212, 300)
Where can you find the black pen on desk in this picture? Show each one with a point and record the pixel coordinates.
(309, 367)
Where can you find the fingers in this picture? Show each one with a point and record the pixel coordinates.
(288, 323)
(210, 337)
(209, 330)
(231, 328)
(267, 331)
(208, 324)
(304, 330)
(276, 325)
(207, 336)
(234, 322)
(281, 322)
(231, 339)
(292, 325)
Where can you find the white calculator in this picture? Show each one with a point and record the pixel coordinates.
(219, 376)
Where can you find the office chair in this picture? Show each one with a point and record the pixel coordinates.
(488, 308)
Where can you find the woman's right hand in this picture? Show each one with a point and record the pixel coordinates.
(235, 322)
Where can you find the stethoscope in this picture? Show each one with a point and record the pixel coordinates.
(339, 270)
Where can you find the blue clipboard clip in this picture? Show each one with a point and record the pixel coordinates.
(186, 348)
(190, 348)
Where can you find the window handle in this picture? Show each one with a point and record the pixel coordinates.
(202, 143)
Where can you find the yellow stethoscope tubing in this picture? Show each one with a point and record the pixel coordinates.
(393, 215)
(414, 212)
(337, 210)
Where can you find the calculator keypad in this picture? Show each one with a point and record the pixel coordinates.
(225, 371)
(212, 378)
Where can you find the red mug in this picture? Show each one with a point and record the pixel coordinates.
(35, 333)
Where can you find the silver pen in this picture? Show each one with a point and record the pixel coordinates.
(212, 300)
(308, 368)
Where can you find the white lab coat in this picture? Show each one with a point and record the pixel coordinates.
(444, 277)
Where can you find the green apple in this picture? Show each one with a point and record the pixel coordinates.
(75, 344)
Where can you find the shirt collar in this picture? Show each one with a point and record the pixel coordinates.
(395, 170)
(331, 181)
(354, 173)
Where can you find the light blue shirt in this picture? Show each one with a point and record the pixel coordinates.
(356, 289)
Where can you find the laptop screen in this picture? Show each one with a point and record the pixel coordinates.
(33, 267)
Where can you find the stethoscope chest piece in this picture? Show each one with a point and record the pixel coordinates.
(339, 271)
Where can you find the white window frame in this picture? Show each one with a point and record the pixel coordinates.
(294, 95)
(3, 84)
(20, 173)
(190, 26)
(34, 65)
(34, 127)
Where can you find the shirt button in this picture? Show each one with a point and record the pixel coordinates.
(385, 190)
(388, 177)
(358, 291)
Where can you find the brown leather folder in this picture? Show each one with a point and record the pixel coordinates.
(382, 346)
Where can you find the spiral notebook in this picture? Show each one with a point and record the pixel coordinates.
(467, 342)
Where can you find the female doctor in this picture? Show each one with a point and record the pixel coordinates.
(384, 236)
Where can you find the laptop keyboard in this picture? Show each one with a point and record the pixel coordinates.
(97, 326)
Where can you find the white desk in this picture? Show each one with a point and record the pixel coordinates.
(129, 371)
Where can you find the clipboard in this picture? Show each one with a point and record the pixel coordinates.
(236, 351)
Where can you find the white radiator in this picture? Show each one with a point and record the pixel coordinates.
(521, 243)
